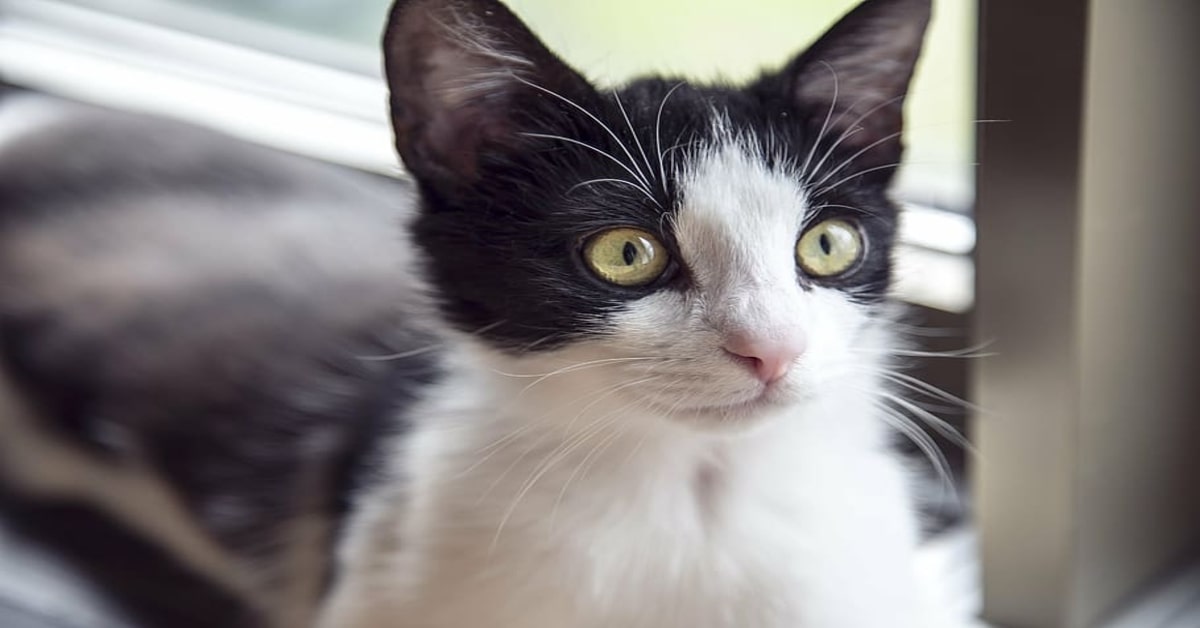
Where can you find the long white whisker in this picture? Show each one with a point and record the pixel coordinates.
(398, 356)
(853, 128)
(575, 365)
(621, 181)
(922, 440)
(611, 391)
(512, 465)
(558, 455)
(637, 141)
(662, 172)
(815, 212)
(849, 160)
(538, 421)
(641, 186)
(938, 425)
(572, 443)
(881, 140)
(918, 385)
(972, 352)
(830, 188)
(589, 114)
(824, 125)
(487, 452)
(581, 468)
(582, 366)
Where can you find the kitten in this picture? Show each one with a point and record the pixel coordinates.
(669, 324)
(635, 379)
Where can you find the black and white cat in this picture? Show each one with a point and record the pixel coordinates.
(638, 350)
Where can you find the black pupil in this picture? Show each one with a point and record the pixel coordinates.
(826, 245)
(629, 253)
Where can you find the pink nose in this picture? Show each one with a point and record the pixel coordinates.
(769, 358)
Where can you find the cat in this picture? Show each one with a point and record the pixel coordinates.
(624, 365)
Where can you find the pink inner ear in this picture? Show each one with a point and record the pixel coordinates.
(456, 136)
(466, 98)
(456, 71)
(453, 146)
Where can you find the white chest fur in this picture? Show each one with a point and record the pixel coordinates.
(631, 521)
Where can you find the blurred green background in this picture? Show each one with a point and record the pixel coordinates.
(613, 40)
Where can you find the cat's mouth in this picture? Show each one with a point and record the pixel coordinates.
(735, 412)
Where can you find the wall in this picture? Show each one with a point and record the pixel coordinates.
(1089, 251)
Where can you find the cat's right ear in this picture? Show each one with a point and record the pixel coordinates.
(467, 77)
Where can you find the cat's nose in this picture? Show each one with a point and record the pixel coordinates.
(769, 358)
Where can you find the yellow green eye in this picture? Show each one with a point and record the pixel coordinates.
(625, 256)
(830, 248)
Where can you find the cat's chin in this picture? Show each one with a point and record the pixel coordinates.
(732, 417)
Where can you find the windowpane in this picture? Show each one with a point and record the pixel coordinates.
(351, 21)
(617, 39)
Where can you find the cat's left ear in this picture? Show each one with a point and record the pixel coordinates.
(852, 82)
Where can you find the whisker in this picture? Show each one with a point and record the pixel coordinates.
(970, 353)
(830, 188)
(570, 367)
(919, 386)
(859, 210)
(662, 173)
(637, 141)
(812, 214)
(569, 445)
(496, 447)
(398, 356)
(641, 186)
(512, 465)
(557, 455)
(849, 160)
(611, 391)
(598, 449)
(529, 346)
(852, 128)
(604, 126)
(824, 125)
(923, 442)
(539, 421)
(929, 332)
(915, 384)
(886, 138)
(937, 424)
(621, 181)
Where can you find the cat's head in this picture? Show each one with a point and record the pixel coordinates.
(720, 249)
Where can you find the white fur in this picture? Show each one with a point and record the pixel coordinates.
(602, 484)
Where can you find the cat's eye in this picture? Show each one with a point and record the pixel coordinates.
(625, 256)
(830, 248)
